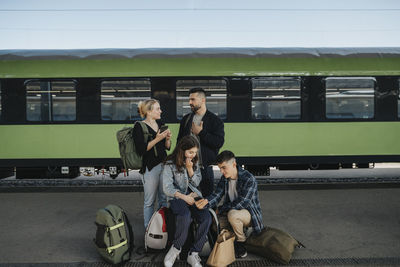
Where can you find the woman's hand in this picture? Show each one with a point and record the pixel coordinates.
(161, 136)
(193, 195)
(188, 163)
(189, 167)
(189, 200)
(169, 134)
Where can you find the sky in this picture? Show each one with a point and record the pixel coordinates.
(77, 24)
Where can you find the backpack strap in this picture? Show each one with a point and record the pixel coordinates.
(147, 135)
(115, 226)
(110, 249)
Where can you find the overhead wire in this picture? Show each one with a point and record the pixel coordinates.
(204, 9)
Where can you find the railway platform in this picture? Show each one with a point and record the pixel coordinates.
(339, 227)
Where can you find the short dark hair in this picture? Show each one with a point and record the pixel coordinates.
(198, 90)
(225, 156)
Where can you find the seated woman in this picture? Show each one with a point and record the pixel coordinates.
(181, 176)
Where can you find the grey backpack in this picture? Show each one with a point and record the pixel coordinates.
(114, 235)
(127, 149)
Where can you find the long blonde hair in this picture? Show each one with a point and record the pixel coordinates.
(146, 106)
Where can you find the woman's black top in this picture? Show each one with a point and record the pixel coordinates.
(150, 160)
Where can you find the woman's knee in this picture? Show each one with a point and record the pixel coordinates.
(183, 220)
(149, 198)
(205, 219)
(179, 207)
(209, 220)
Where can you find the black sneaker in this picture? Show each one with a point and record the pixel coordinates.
(240, 250)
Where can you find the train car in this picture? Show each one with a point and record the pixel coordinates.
(289, 108)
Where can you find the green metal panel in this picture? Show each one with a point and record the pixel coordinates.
(149, 67)
(244, 139)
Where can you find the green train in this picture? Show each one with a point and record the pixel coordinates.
(289, 107)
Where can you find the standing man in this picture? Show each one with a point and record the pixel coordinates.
(208, 129)
(241, 207)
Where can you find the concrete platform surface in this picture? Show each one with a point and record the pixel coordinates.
(50, 228)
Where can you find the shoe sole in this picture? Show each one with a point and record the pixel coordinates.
(242, 256)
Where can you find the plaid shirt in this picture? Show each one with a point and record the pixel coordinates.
(247, 197)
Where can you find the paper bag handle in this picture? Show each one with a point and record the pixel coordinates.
(223, 232)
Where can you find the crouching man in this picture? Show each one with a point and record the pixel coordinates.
(241, 207)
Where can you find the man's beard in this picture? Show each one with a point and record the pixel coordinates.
(194, 108)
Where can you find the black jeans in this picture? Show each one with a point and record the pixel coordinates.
(207, 181)
(183, 214)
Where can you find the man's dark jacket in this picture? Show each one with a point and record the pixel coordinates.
(211, 137)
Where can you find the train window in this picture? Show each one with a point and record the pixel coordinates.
(350, 98)
(215, 93)
(120, 98)
(276, 98)
(50, 101)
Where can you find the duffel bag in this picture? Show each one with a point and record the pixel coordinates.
(273, 244)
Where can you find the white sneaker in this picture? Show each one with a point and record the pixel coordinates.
(194, 259)
(171, 256)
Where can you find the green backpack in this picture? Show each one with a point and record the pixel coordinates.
(129, 156)
(114, 235)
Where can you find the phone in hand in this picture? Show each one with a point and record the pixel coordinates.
(163, 128)
(197, 198)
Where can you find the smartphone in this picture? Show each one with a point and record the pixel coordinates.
(197, 198)
(163, 128)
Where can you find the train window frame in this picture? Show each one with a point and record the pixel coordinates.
(355, 89)
(224, 118)
(51, 117)
(130, 118)
(272, 99)
(398, 98)
(1, 106)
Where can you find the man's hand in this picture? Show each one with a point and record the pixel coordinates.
(200, 204)
(196, 129)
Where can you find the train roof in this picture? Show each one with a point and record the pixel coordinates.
(199, 52)
(199, 62)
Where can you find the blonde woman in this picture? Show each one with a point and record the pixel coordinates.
(154, 153)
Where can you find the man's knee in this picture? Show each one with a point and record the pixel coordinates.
(232, 216)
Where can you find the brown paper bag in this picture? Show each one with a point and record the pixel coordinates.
(223, 252)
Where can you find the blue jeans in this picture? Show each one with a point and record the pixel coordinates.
(152, 187)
